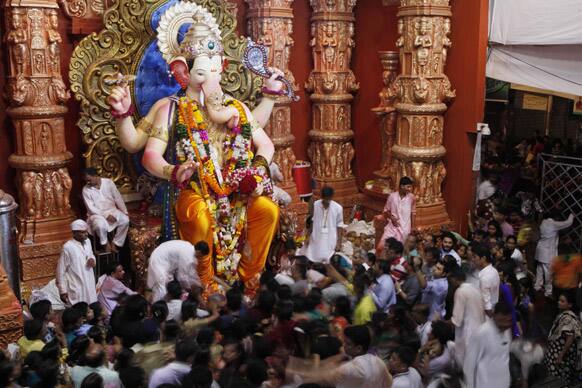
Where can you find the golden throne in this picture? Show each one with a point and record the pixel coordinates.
(127, 44)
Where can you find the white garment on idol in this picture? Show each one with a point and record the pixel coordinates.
(487, 358)
(171, 260)
(468, 315)
(74, 277)
(323, 239)
(102, 202)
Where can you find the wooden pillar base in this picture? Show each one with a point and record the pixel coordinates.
(432, 217)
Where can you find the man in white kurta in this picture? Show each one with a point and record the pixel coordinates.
(486, 362)
(174, 259)
(468, 313)
(75, 278)
(105, 209)
(399, 212)
(547, 249)
(326, 229)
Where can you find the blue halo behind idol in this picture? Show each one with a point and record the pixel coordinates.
(153, 78)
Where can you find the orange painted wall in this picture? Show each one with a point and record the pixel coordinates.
(466, 70)
(375, 30)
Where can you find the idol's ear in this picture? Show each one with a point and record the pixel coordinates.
(180, 71)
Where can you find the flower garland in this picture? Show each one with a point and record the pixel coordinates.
(225, 191)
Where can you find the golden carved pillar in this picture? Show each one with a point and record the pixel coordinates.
(378, 188)
(36, 94)
(10, 313)
(270, 23)
(422, 93)
(332, 83)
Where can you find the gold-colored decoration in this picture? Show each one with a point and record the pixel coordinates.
(118, 48)
(382, 184)
(422, 91)
(332, 83)
(36, 94)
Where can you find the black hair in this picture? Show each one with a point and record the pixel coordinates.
(266, 301)
(135, 308)
(284, 310)
(92, 380)
(33, 328)
(423, 309)
(97, 309)
(449, 263)
(482, 251)
(256, 371)
(396, 246)
(284, 292)
(495, 224)
(343, 307)
(112, 267)
(314, 298)
(94, 360)
(327, 192)
(171, 330)
(511, 237)
(48, 372)
(442, 331)
(185, 349)
(502, 308)
(385, 266)
(40, 309)
(480, 232)
(434, 252)
(570, 298)
(302, 264)
(205, 336)
(77, 350)
(95, 334)
(326, 346)
(405, 181)
(174, 289)
(234, 299)
(202, 247)
(52, 350)
(452, 237)
(200, 376)
(406, 354)
(132, 376)
(160, 311)
(6, 370)
(82, 307)
(189, 310)
(359, 335)
(371, 258)
(458, 274)
(90, 171)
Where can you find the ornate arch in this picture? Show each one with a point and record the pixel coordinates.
(122, 46)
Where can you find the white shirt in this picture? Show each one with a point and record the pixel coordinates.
(363, 371)
(110, 291)
(485, 190)
(323, 239)
(547, 247)
(174, 310)
(468, 315)
(173, 373)
(453, 253)
(410, 379)
(74, 277)
(423, 331)
(489, 286)
(104, 201)
(172, 259)
(487, 359)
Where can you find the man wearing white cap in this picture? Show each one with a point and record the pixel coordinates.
(75, 277)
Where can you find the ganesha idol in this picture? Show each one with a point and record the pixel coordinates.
(210, 148)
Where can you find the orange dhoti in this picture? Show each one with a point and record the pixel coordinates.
(195, 225)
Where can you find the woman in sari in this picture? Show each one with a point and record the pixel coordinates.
(562, 353)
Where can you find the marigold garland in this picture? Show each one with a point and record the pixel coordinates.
(220, 189)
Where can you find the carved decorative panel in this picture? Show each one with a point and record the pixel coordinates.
(36, 95)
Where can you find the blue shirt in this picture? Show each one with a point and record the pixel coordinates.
(383, 292)
(434, 295)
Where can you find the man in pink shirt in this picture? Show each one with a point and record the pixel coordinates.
(399, 212)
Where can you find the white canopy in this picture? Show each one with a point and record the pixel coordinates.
(536, 43)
